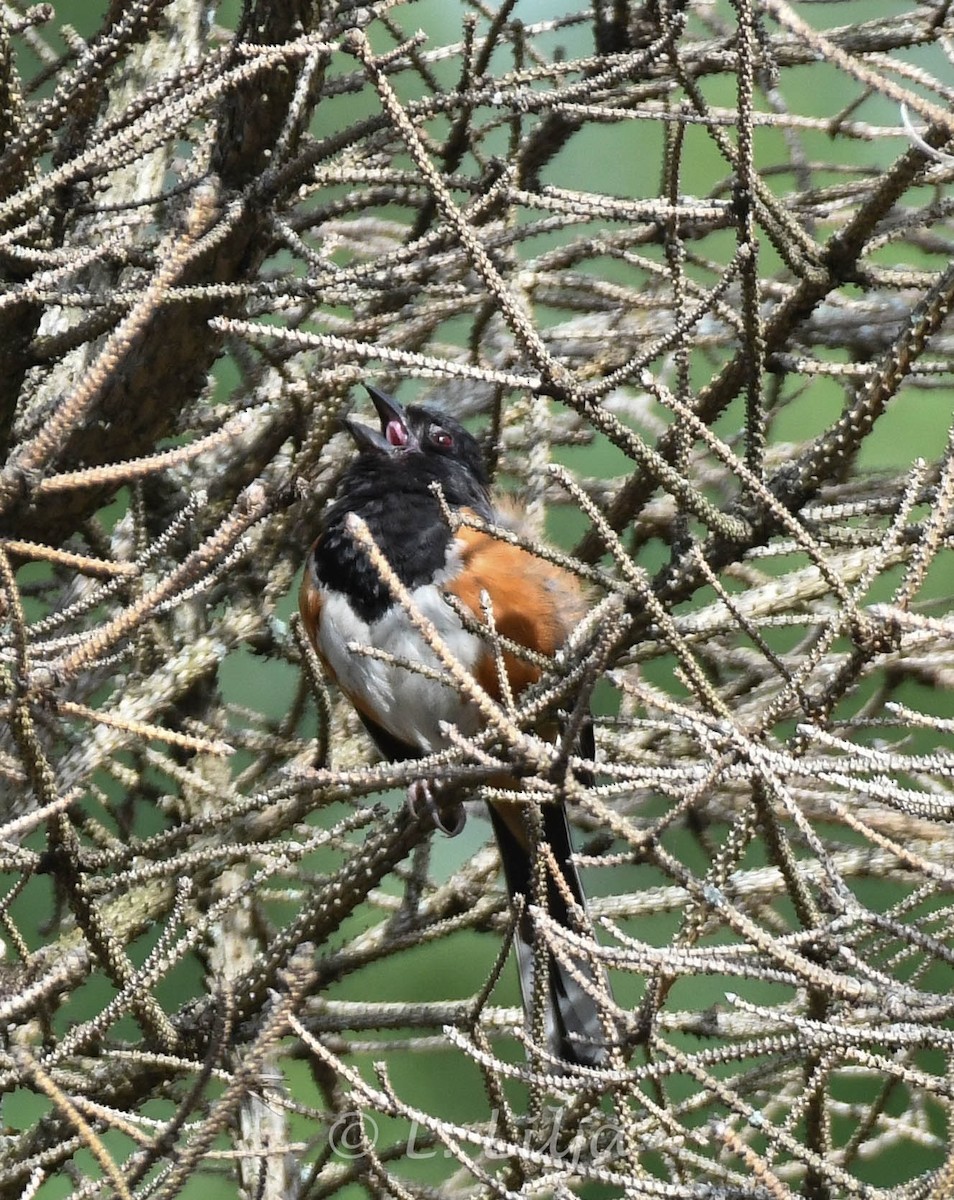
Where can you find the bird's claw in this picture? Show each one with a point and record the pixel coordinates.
(446, 815)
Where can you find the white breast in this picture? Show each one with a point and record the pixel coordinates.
(408, 704)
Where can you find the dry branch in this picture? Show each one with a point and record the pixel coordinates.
(717, 364)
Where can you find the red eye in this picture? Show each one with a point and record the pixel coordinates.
(440, 438)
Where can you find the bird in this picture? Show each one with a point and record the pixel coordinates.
(403, 480)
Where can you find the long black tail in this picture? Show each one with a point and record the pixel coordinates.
(575, 1031)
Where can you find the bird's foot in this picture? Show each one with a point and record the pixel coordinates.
(446, 813)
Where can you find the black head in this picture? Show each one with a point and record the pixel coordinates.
(417, 446)
(390, 485)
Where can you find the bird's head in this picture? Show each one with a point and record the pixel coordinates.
(423, 445)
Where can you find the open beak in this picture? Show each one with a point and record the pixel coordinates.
(395, 434)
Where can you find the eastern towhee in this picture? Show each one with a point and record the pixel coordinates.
(345, 603)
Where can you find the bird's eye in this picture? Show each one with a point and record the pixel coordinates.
(440, 438)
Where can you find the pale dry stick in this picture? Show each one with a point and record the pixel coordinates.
(916, 862)
(597, 988)
(386, 1102)
(699, 895)
(85, 564)
(916, 75)
(375, 1175)
(171, 949)
(494, 716)
(782, 601)
(794, 244)
(34, 1183)
(746, 186)
(739, 961)
(139, 468)
(829, 52)
(138, 988)
(504, 1018)
(638, 580)
(755, 486)
(591, 206)
(799, 481)
(12, 239)
(55, 284)
(798, 966)
(655, 466)
(35, 1073)
(471, 623)
(93, 922)
(853, 1031)
(116, 1119)
(906, 802)
(754, 1162)
(430, 246)
(654, 111)
(146, 731)
(298, 109)
(174, 255)
(537, 440)
(323, 908)
(857, 757)
(503, 677)
(13, 831)
(16, 618)
(151, 129)
(739, 620)
(640, 840)
(827, 454)
(935, 530)
(920, 720)
(69, 969)
(452, 1134)
(710, 301)
(776, 1137)
(81, 73)
(599, 72)
(426, 366)
(287, 998)
(142, 699)
(871, 564)
(457, 518)
(933, 630)
(452, 1144)
(436, 674)
(513, 310)
(723, 743)
(253, 504)
(770, 774)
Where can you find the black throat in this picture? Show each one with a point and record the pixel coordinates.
(405, 519)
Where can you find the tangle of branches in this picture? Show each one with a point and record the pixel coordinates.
(687, 268)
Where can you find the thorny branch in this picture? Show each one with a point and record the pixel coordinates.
(688, 270)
